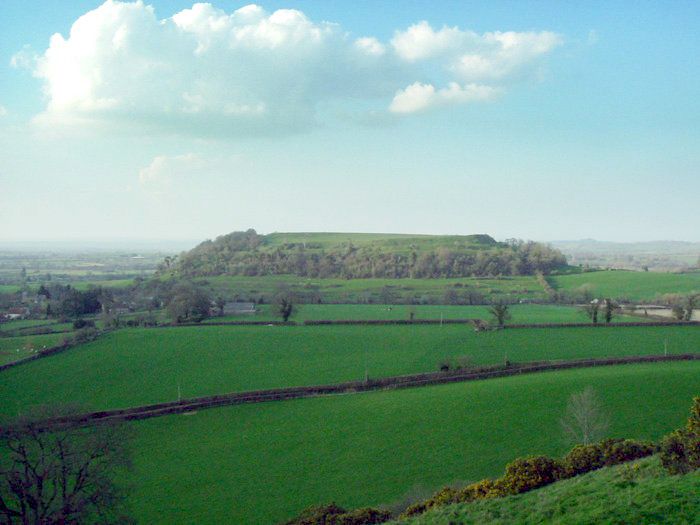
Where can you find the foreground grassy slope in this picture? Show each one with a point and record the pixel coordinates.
(263, 463)
(141, 366)
(522, 313)
(634, 286)
(640, 492)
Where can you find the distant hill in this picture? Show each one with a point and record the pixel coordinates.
(364, 255)
(654, 255)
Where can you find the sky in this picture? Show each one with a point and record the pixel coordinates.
(172, 120)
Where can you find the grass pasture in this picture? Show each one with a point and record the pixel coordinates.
(369, 290)
(255, 464)
(141, 366)
(15, 348)
(630, 285)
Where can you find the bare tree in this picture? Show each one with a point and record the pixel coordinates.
(584, 421)
(54, 473)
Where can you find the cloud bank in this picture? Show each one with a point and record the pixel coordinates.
(206, 71)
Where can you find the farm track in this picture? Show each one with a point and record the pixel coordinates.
(407, 381)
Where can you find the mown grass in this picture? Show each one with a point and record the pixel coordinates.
(141, 366)
(630, 285)
(521, 313)
(638, 492)
(264, 463)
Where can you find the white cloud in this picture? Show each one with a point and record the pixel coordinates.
(420, 97)
(421, 41)
(204, 71)
(3, 111)
(168, 172)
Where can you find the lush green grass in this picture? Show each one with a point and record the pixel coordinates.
(141, 366)
(639, 492)
(521, 313)
(366, 290)
(14, 348)
(264, 463)
(634, 286)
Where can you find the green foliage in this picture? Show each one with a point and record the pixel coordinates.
(500, 312)
(680, 450)
(332, 514)
(582, 459)
(188, 303)
(379, 256)
(532, 472)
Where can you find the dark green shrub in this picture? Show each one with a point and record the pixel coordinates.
(318, 515)
(616, 451)
(582, 459)
(532, 472)
(83, 323)
(675, 453)
(484, 489)
(366, 516)
(680, 450)
(333, 514)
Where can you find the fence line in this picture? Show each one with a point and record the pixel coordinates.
(407, 381)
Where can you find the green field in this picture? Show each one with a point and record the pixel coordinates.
(369, 290)
(141, 366)
(263, 463)
(14, 348)
(630, 285)
(640, 492)
(521, 313)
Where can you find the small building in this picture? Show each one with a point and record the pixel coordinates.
(236, 308)
(19, 312)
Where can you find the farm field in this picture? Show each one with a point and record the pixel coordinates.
(14, 348)
(521, 313)
(142, 366)
(370, 290)
(630, 285)
(264, 463)
(604, 496)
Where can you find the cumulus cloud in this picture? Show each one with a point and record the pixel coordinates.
(206, 71)
(420, 97)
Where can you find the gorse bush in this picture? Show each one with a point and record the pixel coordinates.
(333, 514)
(525, 474)
(680, 450)
(529, 473)
(680, 453)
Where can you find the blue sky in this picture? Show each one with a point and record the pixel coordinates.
(539, 120)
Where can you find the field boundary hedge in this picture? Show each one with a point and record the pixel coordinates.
(382, 322)
(407, 381)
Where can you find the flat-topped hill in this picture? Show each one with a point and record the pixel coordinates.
(366, 255)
